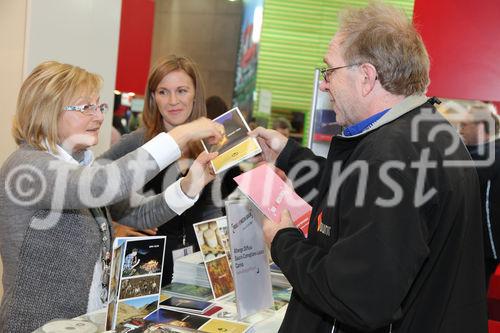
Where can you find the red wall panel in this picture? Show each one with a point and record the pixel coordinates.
(134, 49)
(463, 41)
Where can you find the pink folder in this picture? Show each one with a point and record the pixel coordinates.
(272, 195)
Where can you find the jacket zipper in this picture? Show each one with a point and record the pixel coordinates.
(488, 220)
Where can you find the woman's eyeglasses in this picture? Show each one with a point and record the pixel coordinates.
(88, 109)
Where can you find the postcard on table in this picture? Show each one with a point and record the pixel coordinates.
(135, 308)
(271, 195)
(211, 242)
(218, 325)
(176, 318)
(152, 327)
(219, 274)
(236, 146)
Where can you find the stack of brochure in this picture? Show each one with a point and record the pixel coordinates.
(183, 304)
(281, 297)
(279, 280)
(188, 290)
(191, 270)
(277, 277)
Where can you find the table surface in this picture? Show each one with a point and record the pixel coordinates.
(263, 322)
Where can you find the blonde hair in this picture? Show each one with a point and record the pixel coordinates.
(151, 116)
(43, 95)
(383, 36)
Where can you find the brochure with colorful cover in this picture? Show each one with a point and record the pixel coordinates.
(176, 318)
(212, 311)
(236, 146)
(271, 195)
(152, 327)
(135, 278)
(192, 322)
(186, 305)
(211, 242)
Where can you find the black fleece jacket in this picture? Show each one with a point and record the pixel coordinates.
(407, 254)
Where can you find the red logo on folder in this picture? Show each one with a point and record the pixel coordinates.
(320, 220)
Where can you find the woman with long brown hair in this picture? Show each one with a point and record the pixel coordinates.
(175, 95)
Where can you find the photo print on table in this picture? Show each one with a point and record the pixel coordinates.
(140, 286)
(219, 274)
(136, 308)
(175, 318)
(212, 245)
(210, 239)
(143, 257)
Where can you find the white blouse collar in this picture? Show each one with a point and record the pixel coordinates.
(63, 155)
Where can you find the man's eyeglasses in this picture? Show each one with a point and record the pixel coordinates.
(327, 71)
(88, 109)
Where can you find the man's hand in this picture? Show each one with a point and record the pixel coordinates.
(270, 228)
(272, 142)
(200, 174)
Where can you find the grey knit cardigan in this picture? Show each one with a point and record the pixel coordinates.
(49, 247)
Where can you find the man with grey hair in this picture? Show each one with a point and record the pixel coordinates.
(394, 244)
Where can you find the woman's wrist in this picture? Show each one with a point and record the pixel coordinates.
(180, 134)
(188, 188)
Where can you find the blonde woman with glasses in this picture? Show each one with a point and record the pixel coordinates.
(55, 231)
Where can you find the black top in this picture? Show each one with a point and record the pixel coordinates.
(417, 266)
(179, 230)
(205, 208)
(489, 182)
